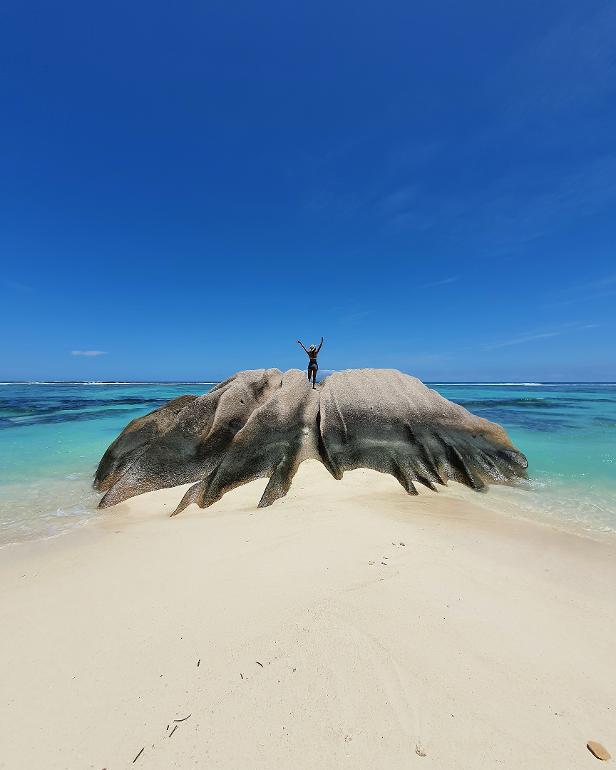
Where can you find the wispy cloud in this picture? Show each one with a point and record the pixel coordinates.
(353, 317)
(410, 157)
(16, 285)
(442, 282)
(345, 204)
(405, 360)
(510, 210)
(89, 353)
(587, 292)
(398, 200)
(566, 69)
(568, 66)
(602, 283)
(520, 339)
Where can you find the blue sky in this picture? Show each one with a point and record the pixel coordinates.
(187, 188)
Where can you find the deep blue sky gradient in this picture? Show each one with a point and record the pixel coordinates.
(190, 187)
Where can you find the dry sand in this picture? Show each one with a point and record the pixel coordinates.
(347, 626)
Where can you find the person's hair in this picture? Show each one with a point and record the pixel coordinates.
(312, 347)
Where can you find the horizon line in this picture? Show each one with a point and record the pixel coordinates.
(215, 382)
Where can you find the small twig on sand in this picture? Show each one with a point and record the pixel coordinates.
(183, 719)
(174, 729)
(198, 662)
(259, 664)
(138, 755)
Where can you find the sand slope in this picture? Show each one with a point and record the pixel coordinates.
(480, 642)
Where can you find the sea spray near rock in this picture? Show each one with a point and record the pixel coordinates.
(264, 423)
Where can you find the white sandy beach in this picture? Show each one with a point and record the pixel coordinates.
(347, 626)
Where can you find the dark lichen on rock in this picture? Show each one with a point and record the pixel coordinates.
(264, 423)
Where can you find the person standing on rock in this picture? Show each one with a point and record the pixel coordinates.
(312, 354)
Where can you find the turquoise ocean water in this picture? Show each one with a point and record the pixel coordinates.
(52, 436)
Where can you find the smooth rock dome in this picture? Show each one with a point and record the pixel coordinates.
(264, 423)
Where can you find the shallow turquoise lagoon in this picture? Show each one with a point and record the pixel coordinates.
(52, 436)
(568, 433)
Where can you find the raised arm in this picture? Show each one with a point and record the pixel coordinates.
(302, 344)
(320, 345)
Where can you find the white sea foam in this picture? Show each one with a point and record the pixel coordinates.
(45, 507)
(486, 384)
